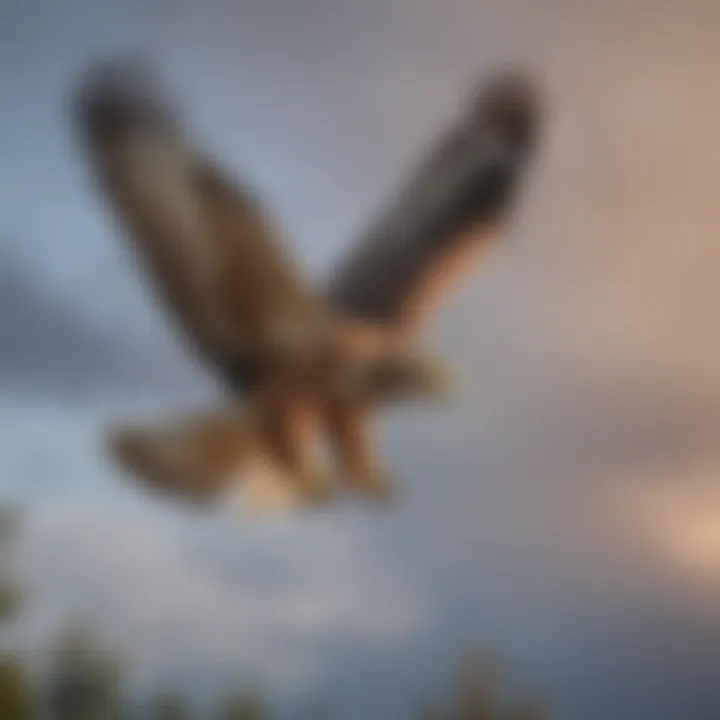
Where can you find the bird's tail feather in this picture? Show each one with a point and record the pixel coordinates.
(203, 459)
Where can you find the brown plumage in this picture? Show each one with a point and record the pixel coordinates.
(302, 362)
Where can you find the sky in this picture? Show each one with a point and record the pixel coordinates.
(564, 512)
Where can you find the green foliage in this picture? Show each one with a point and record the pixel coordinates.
(245, 706)
(85, 679)
(170, 706)
(9, 525)
(10, 596)
(15, 691)
(10, 599)
(481, 692)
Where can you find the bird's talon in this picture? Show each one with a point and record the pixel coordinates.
(375, 485)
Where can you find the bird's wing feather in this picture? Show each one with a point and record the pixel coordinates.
(207, 242)
(454, 205)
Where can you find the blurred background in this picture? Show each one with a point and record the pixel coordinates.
(563, 515)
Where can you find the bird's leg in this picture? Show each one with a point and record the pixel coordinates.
(348, 429)
(289, 428)
(298, 434)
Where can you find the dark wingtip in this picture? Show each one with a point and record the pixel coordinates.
(117, 96)
(509, 104)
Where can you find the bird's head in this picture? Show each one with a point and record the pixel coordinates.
(398, 378)
(379, 364)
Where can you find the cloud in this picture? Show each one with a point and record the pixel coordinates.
(196, 596)
(49, 349)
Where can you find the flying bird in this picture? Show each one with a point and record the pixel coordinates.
(303, 366)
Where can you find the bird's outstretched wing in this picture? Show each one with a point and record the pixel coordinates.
(207, 242)
(454, 205)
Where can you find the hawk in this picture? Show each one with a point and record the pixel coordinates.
(303, 367)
